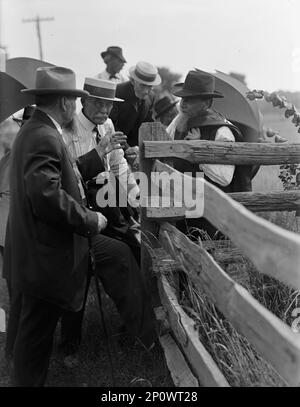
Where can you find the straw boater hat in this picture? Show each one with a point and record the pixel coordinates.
(115, 51)
(57, 80)
(197, 83)
(163, 105)
(101, 89)
(145, 73)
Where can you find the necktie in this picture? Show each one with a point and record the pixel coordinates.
(141, 110)
(97, 134)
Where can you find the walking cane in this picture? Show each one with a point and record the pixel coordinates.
(94, 274)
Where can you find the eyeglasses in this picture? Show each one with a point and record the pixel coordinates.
(101, 104)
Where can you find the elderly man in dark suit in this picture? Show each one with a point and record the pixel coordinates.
(46, 250)
(138, 104)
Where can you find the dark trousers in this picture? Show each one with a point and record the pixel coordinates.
(15, 302)
(123, 281)
(15, 306)
(34, 340)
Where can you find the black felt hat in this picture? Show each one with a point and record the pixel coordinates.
(197, 83)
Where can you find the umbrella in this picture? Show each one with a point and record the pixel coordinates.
(11, 98)
(236, 107)
(23, 69)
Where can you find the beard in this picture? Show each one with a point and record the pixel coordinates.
(182, 120)
(70, 126)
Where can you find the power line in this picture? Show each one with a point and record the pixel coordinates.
(37, 20)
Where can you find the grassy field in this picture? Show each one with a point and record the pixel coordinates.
(267, 179)
(240, 363)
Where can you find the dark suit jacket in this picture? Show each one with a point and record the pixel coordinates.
(46, 250)
(4, 195)
(127, 116)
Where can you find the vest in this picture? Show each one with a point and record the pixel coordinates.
(208, 124)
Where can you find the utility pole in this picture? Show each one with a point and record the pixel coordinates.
(3, 55)
(37, 20)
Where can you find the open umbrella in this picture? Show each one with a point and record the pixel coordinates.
(236, 107)
(11, 97)
(23, 69)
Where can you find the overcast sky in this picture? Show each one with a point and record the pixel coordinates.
(260, 38)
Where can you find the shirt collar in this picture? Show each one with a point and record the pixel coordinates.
(56, 124)
(86, 123)
(116, 75)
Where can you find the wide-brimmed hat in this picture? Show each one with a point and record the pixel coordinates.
(101, 89)
(145, 73)
(115, 51)
(58, 80)
(27, 113)
(163, 105)
(197, 83)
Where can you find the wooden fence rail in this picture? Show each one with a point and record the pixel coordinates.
(273, 250)
(213, 152)
(274, 340)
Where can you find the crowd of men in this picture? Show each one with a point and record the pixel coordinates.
(57, 234)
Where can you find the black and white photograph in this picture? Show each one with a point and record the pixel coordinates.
(149, 196)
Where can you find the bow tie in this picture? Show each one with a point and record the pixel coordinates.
(113, 76)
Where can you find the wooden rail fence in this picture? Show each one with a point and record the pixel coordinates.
(273, 251)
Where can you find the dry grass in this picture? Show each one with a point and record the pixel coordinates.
(236, 357)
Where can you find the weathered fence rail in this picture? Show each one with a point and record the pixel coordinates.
(273, 250)
(201, 151)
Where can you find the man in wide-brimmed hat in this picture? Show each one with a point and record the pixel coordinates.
(115, 264)
(46, 248)
(165, 110)
(198, 120)
(114, 60)
(138, 101)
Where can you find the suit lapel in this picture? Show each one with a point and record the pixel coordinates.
(41, 116)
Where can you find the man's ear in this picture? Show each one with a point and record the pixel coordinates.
(83, 102)
(209, 103)
(63, 103)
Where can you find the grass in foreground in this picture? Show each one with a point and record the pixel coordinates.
(235, 356)
(132, 366)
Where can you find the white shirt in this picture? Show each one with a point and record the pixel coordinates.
(106, 76)
(56, 124)
(219, 173)
(83, 140)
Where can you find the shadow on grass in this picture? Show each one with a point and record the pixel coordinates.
(132, 366)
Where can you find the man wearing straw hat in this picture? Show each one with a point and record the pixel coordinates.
(138, 101)
(89, 127)
(116, 266)
(92, 123)
(46, 248)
